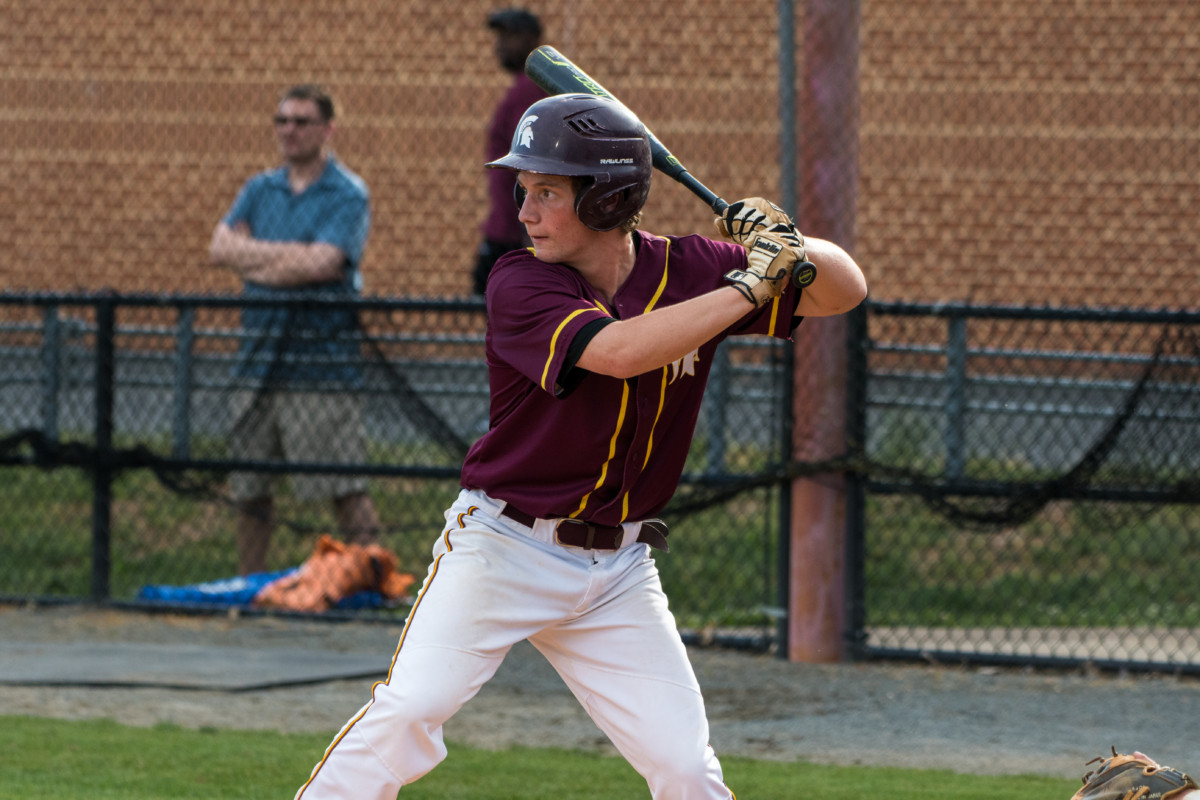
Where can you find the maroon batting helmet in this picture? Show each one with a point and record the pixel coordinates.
(582, 135)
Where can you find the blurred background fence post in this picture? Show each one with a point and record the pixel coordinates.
(828, 122)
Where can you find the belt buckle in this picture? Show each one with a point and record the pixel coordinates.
(588, 539)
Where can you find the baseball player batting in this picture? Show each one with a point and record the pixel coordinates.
(599, 343)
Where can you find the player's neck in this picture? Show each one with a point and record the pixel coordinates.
(609, 263)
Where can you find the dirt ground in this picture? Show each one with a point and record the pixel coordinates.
(975, 720)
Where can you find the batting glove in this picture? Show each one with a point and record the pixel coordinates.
(769, 262)
(741, 219)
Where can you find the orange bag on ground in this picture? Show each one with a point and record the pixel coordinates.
(335, 570)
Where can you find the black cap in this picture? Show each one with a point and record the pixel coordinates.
(515, 20)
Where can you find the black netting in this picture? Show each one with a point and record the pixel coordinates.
(147, 443)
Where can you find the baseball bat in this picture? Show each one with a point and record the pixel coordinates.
(555, 73)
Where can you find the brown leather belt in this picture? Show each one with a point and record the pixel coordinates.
(577, 533)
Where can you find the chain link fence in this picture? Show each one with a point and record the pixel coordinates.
(118, 447)
(1030, 474)
(1018, 154)
(1031, 486)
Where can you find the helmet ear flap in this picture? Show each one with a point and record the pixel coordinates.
(604, 207)
(608, 205)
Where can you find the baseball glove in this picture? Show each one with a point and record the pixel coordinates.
(1132, 777)
(335, 570)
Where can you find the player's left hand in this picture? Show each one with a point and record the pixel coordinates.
(769, 263)
(741, 219)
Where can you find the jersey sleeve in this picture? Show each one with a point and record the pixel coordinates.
(535, 311)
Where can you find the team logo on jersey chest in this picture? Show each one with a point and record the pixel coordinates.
(684, 366)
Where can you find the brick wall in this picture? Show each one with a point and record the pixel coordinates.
(1013, 151)
(1030, 152)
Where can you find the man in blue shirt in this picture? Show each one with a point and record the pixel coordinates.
(298, 229)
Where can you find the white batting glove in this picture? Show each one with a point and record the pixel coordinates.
(743, 219)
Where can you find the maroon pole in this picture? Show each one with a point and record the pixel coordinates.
(828, 135)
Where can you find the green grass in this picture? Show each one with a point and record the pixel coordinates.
(159, 536)
(1075, 564)
(43, 759)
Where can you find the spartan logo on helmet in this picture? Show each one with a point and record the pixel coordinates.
(525, 131)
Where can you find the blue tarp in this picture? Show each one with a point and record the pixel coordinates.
(240, 591)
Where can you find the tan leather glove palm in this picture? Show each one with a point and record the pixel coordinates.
(769, 263)
(739, 220)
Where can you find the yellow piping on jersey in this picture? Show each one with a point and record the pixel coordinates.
(775, 314)
(612, 449)
(662, 284)
(662, 394)
(662, 400)
(612, 444)
(554, 344)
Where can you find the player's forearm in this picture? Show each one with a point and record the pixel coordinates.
(640, 344)
(839, 285)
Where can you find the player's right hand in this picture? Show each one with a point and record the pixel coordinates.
(769, 262)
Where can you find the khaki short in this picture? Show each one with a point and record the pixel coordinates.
(298, 427)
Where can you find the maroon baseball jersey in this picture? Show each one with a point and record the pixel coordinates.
(565, 442)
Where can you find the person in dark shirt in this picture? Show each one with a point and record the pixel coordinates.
(518, 33)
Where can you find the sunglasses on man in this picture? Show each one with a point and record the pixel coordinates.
(282, 121)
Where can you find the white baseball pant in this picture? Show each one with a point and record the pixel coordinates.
(599, 617)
